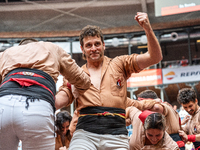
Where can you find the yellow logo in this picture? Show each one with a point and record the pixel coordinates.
(170, 75)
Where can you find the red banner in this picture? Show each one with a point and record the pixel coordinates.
(176, 10)
(149, 77)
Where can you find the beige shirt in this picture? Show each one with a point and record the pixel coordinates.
(113, 88)
(44, 56)
(172, 119)
(193, 125)
(137, 139)
(73, 123)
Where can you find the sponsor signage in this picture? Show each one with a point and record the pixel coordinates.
(181, 74)
(149, 77)
(172, 7)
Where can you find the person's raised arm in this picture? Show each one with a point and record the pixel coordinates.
(154, 53)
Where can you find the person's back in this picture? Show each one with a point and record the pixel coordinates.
(149, 131)
(44, 56)
(37, 55)
(172, 117)
(27, 93)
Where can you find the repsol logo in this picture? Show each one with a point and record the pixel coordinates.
(187, 74)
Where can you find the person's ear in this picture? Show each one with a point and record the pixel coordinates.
(104, 46)
(82, 49)
(196, 101)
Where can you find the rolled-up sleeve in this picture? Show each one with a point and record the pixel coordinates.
(131, 64)
(127, 64)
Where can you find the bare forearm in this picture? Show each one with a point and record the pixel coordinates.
(154, 48)
(197, 138)
(154, 53)
(62, 99)
(191, 138)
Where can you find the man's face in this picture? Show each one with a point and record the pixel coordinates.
(191, 107)
(93, 48)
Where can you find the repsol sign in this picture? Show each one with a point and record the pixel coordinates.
(188, 74)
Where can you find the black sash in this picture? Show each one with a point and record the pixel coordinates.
(197, 145)
(43, 86)
(100, 124)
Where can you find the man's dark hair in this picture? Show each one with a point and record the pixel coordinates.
(62, 117)
(186, 95)
(90, 30)
(148, 94)
(27, 40)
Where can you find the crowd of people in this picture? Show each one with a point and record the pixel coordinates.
(181, 63)
(159, 127)
(28, 99)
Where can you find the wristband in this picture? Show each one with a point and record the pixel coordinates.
(191, 138)
(180, 143)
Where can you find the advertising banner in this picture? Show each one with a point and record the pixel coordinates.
(181, 74)
(149, 77)
(171, 7)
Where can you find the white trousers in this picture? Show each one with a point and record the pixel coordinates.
(83, 140)
(33, 126)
